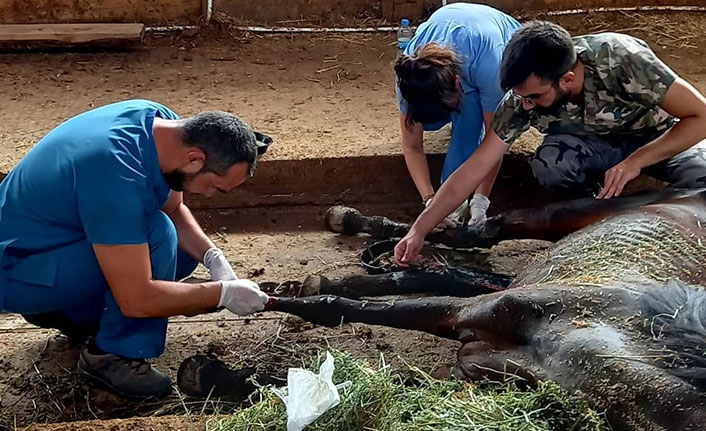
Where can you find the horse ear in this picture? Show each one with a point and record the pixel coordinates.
(263, 142)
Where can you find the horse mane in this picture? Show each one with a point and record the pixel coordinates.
(676, 313)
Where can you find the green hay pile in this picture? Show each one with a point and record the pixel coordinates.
(379, 400)
(632, 247)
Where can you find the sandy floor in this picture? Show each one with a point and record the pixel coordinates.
(319, 97)
(288, 246)
(316, 96)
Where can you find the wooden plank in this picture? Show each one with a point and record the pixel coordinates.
(56, 35)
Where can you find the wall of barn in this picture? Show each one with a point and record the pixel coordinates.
(268, 11)
(63, 11)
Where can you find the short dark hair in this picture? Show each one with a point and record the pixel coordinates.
(224, 138)
(541, 48)
(427, 82)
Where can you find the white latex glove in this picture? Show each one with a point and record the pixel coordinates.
(456, 218)
(242, 297)
(478, 207)
(218, 265)
(460, 214)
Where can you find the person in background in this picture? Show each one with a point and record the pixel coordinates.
(609, 109)
(449, 73)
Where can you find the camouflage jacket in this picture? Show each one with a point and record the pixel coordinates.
(624, 84)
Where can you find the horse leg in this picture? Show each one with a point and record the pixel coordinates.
(459, 282)
(549, 222)
(349, 221)
(554, 221)
(202, 376)
(434, 315)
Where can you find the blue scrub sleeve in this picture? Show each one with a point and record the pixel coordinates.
(111, 200)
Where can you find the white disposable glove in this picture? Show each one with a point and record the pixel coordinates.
(218, 265)
(460, 214)
(478, 207)
(451, 220)
(242, 297)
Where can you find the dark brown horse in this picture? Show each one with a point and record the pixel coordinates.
(615, 309)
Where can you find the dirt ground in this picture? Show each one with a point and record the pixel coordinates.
(319, 97)
(38, 384)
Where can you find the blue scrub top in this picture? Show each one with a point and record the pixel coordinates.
(95, 178)
(478, 35)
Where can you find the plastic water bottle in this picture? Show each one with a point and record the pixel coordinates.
(404, 35)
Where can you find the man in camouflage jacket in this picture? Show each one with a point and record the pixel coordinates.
(612, 106)
(609, 109)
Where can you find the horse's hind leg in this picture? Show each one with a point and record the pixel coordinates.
(459, 282)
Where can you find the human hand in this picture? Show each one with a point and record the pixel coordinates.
(478, 207)
(616, 178)
(218, 265)
(242, 296)
(408, 249)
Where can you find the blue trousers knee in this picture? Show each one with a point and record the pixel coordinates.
(81, 294)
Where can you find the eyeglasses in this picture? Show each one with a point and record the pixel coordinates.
(533, 98)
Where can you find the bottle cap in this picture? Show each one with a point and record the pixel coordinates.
(405, 21)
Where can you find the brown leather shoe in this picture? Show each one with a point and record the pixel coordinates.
(129, 378)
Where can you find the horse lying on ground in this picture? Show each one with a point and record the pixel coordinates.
(615, 309)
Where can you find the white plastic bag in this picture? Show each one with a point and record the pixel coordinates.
(308, 395)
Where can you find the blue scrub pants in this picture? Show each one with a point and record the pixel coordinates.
(466, 134)
(81, 298)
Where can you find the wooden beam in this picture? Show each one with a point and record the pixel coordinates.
(17, 36)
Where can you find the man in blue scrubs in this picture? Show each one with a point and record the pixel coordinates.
(449, 73)
(94, 232)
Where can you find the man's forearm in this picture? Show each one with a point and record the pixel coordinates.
(685, 134)
(682, 101)
(486, 186)
(461, 183)
(450, 196)
(487, 183)
(192, 238)
(162, 298)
